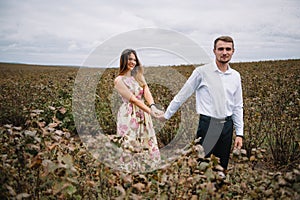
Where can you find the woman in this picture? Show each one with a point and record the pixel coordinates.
(134, 123)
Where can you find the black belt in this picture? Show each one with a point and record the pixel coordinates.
(228, 118)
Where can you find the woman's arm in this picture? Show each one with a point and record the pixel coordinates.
(150, 100)
(148, 95)
(127, 94)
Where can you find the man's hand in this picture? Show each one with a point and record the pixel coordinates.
(162, 117)
(238, 143)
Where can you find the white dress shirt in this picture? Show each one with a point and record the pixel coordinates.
(218, 94)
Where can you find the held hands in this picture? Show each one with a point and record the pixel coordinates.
(162, 118)
(157, 113)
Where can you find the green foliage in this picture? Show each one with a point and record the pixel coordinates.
(257, 183)
(46, 162)
(272, 108)
(42, 156)
(58, 165)
(28, 87)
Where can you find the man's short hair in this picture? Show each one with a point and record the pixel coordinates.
(224, 39)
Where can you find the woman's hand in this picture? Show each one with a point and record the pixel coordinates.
(156, 111)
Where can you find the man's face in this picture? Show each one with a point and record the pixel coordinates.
(223, 51)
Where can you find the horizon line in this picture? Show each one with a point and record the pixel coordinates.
(183, 64)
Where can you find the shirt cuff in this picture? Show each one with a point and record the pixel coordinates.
(167, 115)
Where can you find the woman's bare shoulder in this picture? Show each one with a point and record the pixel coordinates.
(118, 78)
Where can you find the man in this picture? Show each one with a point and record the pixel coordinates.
(218, 99)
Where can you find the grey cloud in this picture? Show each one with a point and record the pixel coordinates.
(60, 28)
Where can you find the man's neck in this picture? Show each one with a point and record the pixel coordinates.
(222, 66)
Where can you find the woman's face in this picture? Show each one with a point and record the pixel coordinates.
(131, 62)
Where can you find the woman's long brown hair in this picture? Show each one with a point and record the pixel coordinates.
(138, 70)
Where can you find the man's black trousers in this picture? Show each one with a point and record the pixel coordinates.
(222, 147)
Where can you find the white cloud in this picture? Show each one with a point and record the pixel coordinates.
(32, 30)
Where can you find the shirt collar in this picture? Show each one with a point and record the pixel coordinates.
(216, 69)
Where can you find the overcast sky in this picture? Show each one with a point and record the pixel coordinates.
(66, 32)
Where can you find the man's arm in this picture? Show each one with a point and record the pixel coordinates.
(238, 116)
(186, 91)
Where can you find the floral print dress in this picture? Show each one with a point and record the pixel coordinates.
(136, 132)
